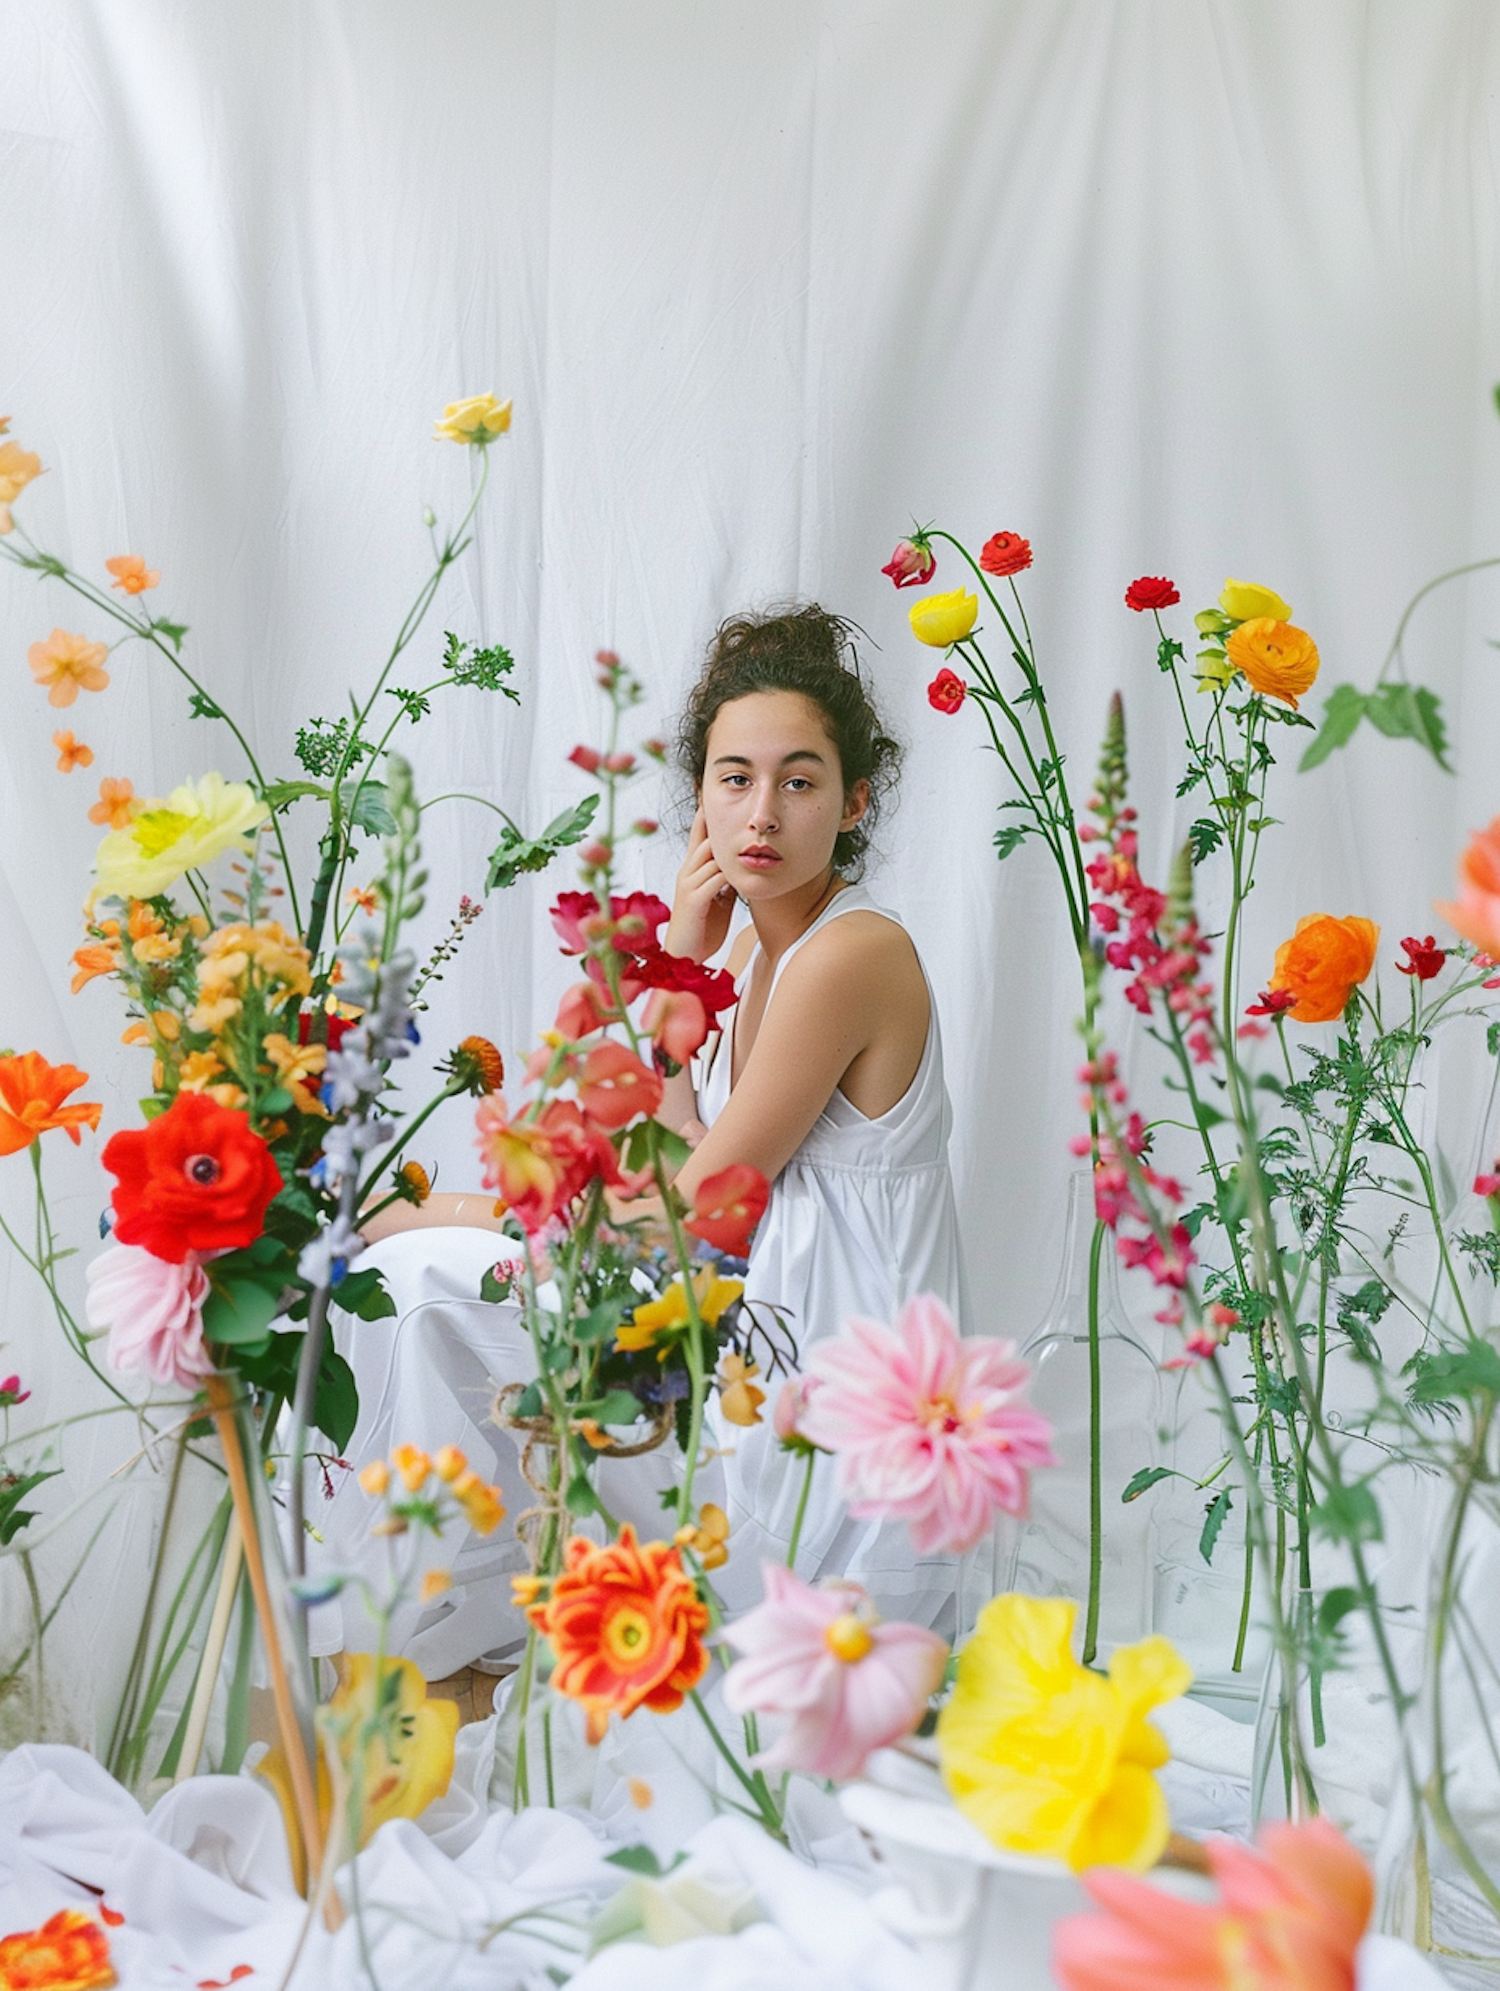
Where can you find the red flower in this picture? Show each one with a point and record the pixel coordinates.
(1148, 593)
(614, 1086)
(1272, 1002)
(947, 691)
(338, 1028)
(11, 1392)
(579, 920)
(586, 758)
(583, 1010)
(1005, 553)
(728, 1206)
(676, 1022)
(654, 968)
(912, 565)
(1425, 957)
(198, 1178)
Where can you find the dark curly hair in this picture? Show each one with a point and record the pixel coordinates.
(806, 650)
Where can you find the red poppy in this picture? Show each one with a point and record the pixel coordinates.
(912, 564)
(1151, 592)
(1005, 553)
(947, 691)
(728, 1206)
(198, 1178)
(1424, 958)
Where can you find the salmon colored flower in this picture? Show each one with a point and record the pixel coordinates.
(1290, 1916)
(67, 665)
(131, 574)
(676, 1022)
(478, 420)
(525, 1169)
(850, 1683)
(1048, 1757)
(198, 1178)
(913, 563)
(1273, 658)
(100, 957)
(585, 1008)
(71, 753)
(942, 620)
(739, 1397)
(365, 897)
(947, 691)
(1005, 553)
(1476, 913)
(1243, 601)
(117, 803)
(614, 1086)
(69, 1952)
(728, 1206)
(1323, 963)
(1151, 592)
(31, 1101)
(626, 1624)
(17, 469)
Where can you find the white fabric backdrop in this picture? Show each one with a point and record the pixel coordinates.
(1168, 285)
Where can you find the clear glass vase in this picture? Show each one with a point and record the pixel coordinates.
(1100, 1389)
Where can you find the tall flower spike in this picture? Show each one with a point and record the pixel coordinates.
(1113, 771)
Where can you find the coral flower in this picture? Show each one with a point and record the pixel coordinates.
(614, 1086)
(1290, 1916)
(1274, 658)
(31, 1101)
(1151, 592)
(71, 753)
(947, 691)
(17, 468)
(912, 565)
(522, 1165)
(942, 620)
(117, 803)
(1005, 553)
(197, 1179)
(850, 1683)
(478, 420)
(1322, 964)
(1476, 914)
(153, 1312)
(676, 1022)
(67, 665)
(584, 1008)
(728, 1206)
(927, 1424)
(131, 574)
(626, 1624)
(69, 1952)
(709, 1540)
(1048, 1757)
(190, 828)
(1243, 601)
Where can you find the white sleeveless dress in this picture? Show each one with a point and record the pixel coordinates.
(861, 1218)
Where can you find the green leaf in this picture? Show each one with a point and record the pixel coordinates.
(598, 1324)
(277, 1100)
(496, 1290)
(1208, 1116)
(635, 1148)
(369, 809)
(1334, 1607)
(1410, 712)
(13, 1517)
(530, 1403)
(364, 1293)
(1218, 1514)
(1010, 839)
(618, 1407)
(336, 1399)
(240, 1309)
(515, 854)
(201, 706)
(1204, 838)
(639, 1859)
(174, 633)
(1349, 1514)
(581, 1497)
(281, 794)
(1341, 716)
(1148, 1476)
(1468, 1372)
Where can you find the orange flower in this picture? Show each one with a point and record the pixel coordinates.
(1323, 963)
(17, 468)
(69, 1952)
(70, 753)
(68, 664)
(481, 1502)
(1476, 915)
(739, 1398)
(100, 957)
(1274, 658)
(132, 575)
(31, 1101)
(614, 1086)
(117, 804)
(626, 1625)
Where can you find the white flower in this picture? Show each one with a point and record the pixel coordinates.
(153, 1312)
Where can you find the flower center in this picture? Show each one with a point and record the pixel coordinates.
(202, 1169)
(156, 830)
(939, 1414)
(848, 1638)
(627, 1634)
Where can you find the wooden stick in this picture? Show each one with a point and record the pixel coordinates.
(213, 1654)
(221, 1404)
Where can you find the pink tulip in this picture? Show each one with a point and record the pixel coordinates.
(1289, 1918)
(850, 1683)
(153, 1311)
(926, 1424)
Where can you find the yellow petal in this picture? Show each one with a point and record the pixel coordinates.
(1129, 1827)
(1243, 599)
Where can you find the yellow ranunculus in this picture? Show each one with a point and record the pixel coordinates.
(1241, 601)
(942, 620)
(1274, 658)
(1049, 1758)
(403, 1746)
(478, 420)
(195, 824)
(714, 1297)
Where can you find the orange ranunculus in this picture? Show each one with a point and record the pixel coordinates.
(132, 575)
(17, 468)
(1323, 963)
(68, 664)
(627, 1625)
(69, 1952)
(614, 1086)
(71, 753)
(1274, 658)
(1476, 914)
(31, 1101)
(117, 804)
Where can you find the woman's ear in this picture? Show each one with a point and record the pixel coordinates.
(855, 804)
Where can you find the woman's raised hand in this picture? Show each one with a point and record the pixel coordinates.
(703, 903)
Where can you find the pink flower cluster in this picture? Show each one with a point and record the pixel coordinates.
(1168, 1258)
(1131, 912)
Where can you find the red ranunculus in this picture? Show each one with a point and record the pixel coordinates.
(728, 1206)
(912, 565)
(1424, 958)
(1151, 592)
(1005, 553)
(947, 691)
(198, 1178)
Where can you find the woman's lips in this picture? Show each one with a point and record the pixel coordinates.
(760, 860)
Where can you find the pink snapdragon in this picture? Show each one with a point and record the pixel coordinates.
(849, 1683)
(927, 1425)
(11, 1392)
(153, 1311)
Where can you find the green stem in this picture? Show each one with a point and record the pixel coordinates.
(1096, 1473)
(801, 1513)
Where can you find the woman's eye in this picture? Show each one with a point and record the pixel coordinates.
(799, 781)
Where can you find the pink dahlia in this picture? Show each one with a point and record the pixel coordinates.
(927, 1424)
(849, 1683)
(153, 1310)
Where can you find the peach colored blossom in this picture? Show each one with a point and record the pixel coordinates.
(67, 665)
(71, 753)
(132, 575)
(118, 803)
(1476, 913)
(17, 468)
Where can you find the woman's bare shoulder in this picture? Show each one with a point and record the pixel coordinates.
(741, 948)
(860, 947)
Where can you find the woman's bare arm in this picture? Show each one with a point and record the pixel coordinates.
(475, 1209)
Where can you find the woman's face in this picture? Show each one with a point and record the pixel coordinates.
(773, 794)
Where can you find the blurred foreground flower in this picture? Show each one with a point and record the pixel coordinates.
(67, 665)
(69, 1952)
(152, 1311)
(727, 1208)
(1476, 913)
(190, 828)
(478, 420)
(17, 468)
(1322, 964)
(32, 1093)
(71, 752)
(117, 804)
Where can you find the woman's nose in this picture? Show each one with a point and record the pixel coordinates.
(763, 816)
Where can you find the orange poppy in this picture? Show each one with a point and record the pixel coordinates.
(626, 1624)
(1323, 963)
(71, 753)
(117, 804)
(31, 1101)
(69, 1952)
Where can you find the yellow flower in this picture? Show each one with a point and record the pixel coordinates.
(294, 1065)
(1274, 658)
(449, 1464)
(434, 1583)
(1048, 1758)
(713, 1294)
(739, 1399)
(194, 824)
(17, 468)
(941, 620)
(1242, 601)
(375, 1478)
(709, 1541)
(478, 420)
(413, 1466)
(482, 1505)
